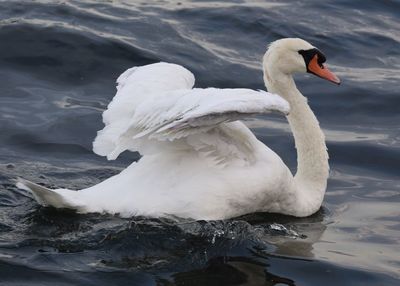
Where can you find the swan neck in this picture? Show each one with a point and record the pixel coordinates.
(312, 157)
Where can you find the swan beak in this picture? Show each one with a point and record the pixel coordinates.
(322, 70)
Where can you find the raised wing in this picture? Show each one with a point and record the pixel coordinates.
(185, 112)
(160, 108)
(138, 84)
(135, 86)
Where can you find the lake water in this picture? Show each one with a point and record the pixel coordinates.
(58, 64)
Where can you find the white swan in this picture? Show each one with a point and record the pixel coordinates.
(198, 160)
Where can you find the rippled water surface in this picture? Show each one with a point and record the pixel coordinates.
(58, 65)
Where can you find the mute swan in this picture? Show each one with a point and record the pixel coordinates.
(198, 160)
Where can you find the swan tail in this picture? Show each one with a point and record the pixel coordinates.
(45, 196)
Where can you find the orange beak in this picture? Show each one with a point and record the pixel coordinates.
(322, 71)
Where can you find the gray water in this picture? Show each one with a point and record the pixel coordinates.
(58, 65)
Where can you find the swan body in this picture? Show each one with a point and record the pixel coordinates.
(198, 160)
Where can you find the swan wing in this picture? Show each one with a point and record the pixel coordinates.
(139, 84)
(185, 112)
(135, 86)
(156, 108)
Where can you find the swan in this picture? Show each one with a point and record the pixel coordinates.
(198, 159)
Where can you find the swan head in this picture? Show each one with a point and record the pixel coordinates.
(292, 55)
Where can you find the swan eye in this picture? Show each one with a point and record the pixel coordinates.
(308, 55)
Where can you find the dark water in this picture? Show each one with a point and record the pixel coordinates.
(58, 65)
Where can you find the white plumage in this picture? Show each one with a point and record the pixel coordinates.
(198, 160)
(143, 112)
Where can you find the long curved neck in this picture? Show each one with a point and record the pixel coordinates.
(312, 156)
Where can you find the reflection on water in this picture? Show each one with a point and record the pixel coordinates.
(58, 65)
(371, 230)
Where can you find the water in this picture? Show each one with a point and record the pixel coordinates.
(58, 65)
